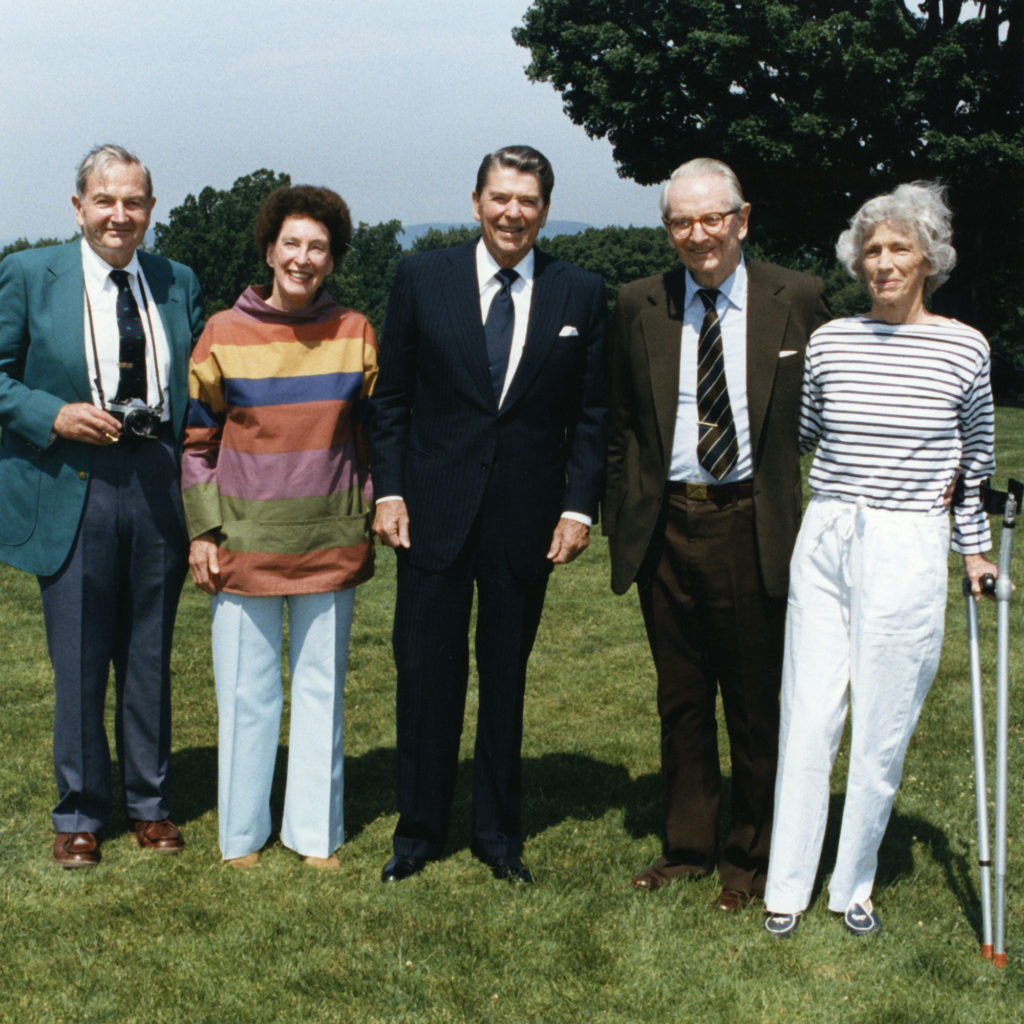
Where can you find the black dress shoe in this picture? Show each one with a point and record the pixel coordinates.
(731, 901)
(508, 869)
(402, 867)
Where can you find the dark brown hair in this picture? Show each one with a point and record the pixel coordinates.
(311, 201)
(519, 158)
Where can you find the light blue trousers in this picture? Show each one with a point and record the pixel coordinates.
(247, 637)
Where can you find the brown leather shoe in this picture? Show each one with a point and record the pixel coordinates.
(662, 873)
(729, 901)
(76, 849)
(159, 836)
(249, 860)
(323, 863)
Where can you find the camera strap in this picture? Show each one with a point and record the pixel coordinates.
(152, 339)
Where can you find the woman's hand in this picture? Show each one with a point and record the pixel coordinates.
(203, 563)
(977, 566)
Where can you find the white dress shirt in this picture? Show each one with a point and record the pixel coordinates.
(102, 298)
(731, 306)
(522, 292)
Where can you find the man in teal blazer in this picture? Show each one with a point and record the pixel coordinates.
(92, 507)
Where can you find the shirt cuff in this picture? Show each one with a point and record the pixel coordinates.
(579, 517)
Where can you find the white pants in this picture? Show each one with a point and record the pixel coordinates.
(867, 600)
(247, 636)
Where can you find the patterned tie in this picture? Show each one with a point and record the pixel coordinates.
(501, 319)
(716, 446)
(132, 356)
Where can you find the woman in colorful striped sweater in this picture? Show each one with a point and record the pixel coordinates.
(899, 405)
(277, 498)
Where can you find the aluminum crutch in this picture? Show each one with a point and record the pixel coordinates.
(980, 782)
(993, 923)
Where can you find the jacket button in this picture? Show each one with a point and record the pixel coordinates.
(82, 475)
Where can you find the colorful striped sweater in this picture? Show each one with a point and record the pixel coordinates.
(275, 463)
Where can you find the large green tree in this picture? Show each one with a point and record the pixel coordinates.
(617, 254)
(212, 234)
(817, 105)
(364, 279)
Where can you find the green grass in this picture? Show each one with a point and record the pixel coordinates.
(150, 939)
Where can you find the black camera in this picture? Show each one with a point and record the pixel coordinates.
(137, 419)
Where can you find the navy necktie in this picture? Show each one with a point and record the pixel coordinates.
(501, 319)
(717, 450)
(132, 355)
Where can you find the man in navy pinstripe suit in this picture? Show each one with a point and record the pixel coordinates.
(488, 451)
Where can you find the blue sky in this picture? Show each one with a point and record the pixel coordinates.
(390, 102)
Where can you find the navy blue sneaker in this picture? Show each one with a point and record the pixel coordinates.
(861, 919)
(781, 925)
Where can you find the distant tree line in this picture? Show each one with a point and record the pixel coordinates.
(212, 233)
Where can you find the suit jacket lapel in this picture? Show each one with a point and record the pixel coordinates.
(663, 337)
(460, 292)
(767, 316)
(169, 299)
(546, 305)
(64, 305)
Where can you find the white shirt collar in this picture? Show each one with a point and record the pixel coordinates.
(97, 270)
(487, 266)
(734, 287)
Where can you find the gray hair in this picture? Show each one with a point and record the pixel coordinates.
(98, 158)
(918, 208)
(701, 167)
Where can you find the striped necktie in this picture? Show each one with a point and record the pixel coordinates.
(716, 445)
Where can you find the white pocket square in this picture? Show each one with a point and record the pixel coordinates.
(568, 331)
(787, 352)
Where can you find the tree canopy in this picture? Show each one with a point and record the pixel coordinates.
(817, 105)
(23, 243)
(212, 234)
(363, 281)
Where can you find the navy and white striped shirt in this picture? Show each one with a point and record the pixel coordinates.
(897, 410)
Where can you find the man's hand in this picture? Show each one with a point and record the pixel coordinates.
(976, 566)
(391, 523)
(569, 539)
(80, 421)
(203, 563)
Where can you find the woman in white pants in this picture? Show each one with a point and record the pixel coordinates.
(900, 406)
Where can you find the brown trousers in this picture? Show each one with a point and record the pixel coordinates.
(711, 628)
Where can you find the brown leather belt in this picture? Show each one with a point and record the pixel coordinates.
(720, 494)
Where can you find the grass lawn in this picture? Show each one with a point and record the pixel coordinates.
(148, 939)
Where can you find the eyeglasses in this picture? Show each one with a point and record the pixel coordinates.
(712, 223)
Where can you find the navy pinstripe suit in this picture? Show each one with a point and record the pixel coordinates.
(484, 489)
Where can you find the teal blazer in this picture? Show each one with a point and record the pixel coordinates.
(43, 479)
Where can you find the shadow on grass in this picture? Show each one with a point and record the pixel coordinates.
(906, 838)
(561, 786)
(556, 787)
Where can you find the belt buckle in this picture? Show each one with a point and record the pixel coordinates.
(698, 492)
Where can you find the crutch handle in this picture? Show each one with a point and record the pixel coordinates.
(988, 583)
